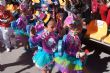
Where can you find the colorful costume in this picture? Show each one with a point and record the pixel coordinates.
(39, 27)
(19, 27)
(47, 44)
(5, 19)
(69, 19)
(68, 62)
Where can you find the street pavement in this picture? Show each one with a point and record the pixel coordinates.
(20, 61)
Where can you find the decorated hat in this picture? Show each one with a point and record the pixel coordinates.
(23, 6)
(68, 21)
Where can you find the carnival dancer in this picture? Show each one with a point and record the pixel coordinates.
(19, 26)
(47, 44)
(5, 19)
(69, 60)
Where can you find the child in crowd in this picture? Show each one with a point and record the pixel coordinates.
(47, 44)
(19, 27)
(69, 60)
(5, 19)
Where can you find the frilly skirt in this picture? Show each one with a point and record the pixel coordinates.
(43, 60)
(69, 64)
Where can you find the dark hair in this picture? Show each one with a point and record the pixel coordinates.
(103, 1)
(76, 25)
(68, 5)
(50, 19)
(45, 24)
(33, 30)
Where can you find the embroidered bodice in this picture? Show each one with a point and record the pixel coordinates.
(72, 44)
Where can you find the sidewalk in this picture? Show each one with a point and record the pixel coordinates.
(18, 61)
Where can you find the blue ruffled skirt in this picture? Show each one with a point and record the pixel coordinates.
(42, 59)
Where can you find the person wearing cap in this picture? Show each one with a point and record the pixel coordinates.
(5, 19)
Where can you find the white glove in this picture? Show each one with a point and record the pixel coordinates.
(78, 55)
(82, 54)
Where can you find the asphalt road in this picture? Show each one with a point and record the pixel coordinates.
(19, 61)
